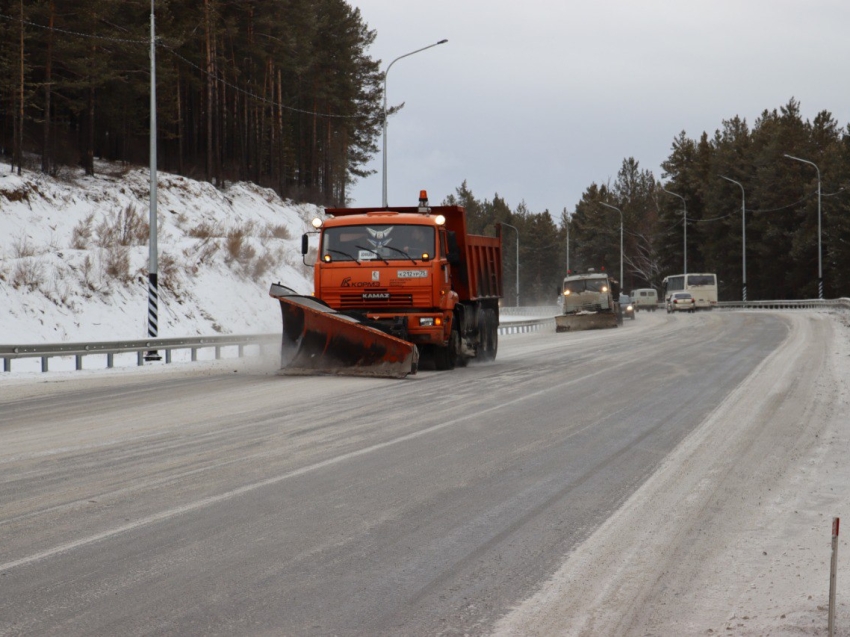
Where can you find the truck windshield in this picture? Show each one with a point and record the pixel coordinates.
(586, 285)
(378, 243)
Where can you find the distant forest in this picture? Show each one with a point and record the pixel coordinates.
(279, 93)
(777, 202)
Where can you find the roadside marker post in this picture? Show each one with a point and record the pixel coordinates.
(832, 577)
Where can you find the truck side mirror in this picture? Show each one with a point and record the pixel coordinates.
(454, 251)
(305, 244)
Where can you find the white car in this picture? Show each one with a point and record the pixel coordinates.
(681, 302)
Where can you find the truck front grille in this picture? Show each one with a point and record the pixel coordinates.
(583, 307)
(353, 301)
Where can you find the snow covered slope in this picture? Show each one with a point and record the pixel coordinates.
(74, 256)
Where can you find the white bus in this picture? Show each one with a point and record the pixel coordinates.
(702, 286)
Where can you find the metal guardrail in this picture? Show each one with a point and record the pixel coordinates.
(802, 304)
(141, 347)
(520, 327)
(535, 310)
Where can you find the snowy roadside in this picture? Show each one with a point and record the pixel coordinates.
(732, 534)
(74, 256)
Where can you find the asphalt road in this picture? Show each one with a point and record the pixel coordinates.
(223, 499)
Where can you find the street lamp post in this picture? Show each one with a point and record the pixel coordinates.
(820, 260)
(517, 260)
(568, 224)
(621, 239)
(743, 237)
(385, 110)
(153, 292)
(685, 204)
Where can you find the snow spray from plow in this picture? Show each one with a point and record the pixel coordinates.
(319, 340)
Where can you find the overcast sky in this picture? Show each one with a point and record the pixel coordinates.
(535, 100)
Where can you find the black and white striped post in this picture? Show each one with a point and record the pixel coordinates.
(153, 294)
(152, 305)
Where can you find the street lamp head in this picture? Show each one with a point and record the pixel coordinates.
(820, 247)
(386, 72)
(684, 203)
(805, 161)
(607, 205)
(684, 227)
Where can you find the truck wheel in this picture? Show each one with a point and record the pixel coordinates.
(460, 359)
(446, 357)
(485, 335)
(493, 326)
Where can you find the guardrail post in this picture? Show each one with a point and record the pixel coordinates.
(44, 363)
(217, 352)
(79, 361)
(110, 360)
(7, 364)
(167, 356)
(241, 351)
(194, 354)
(140, 358)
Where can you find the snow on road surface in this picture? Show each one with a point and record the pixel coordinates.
(732, 535)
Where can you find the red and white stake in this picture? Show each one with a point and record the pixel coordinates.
(833, 568)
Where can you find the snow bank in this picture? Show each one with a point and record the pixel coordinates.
(74, 256)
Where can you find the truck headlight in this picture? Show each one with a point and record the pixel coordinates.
(426, 321)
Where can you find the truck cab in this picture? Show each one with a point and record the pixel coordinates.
(587, 303)
(390, 268)
(590, 292)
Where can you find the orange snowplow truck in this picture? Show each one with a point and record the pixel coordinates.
(394, 288)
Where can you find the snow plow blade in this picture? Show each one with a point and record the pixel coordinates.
(319, 340)
(585, 321)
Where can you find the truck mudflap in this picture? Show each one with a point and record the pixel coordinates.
(585, 321)
(318, 340)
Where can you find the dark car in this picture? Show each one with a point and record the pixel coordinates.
(627, 307)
